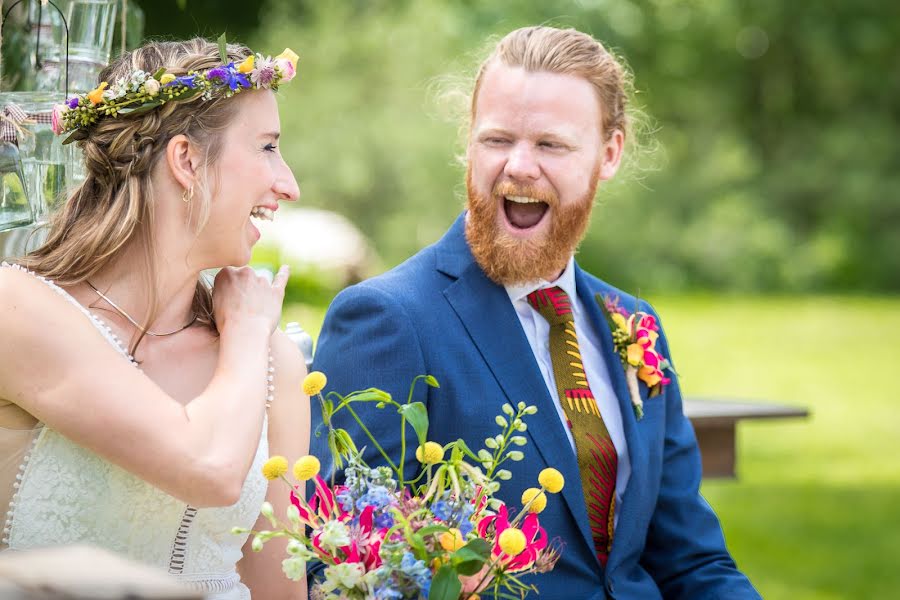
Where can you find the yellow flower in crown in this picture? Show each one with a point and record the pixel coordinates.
(247, 65)
(306, 468)
(287, 64)
(314, 383)
(289, 55)
(96, 94)
(167, 78)
(275, 467)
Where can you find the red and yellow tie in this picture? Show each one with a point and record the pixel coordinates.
(597, 459)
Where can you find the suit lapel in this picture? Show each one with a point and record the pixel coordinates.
(637, 449)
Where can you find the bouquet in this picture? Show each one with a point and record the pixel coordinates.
(442, 535)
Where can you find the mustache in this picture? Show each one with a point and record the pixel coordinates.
(509, 188)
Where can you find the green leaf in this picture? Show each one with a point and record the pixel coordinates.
(470, 558)
(430, 380)
(139, 110)
(370, 395)
(223, 49)
(159, 73)
(417, 415)
(77, 135)
(445, 585)
(479, 546)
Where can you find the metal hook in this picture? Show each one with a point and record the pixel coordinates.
(37, 42)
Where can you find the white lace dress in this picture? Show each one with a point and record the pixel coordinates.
(65, 494)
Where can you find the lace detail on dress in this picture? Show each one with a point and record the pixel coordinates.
(179, 548)
(7, 524)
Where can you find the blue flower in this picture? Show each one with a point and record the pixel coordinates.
(384, 521)
(185, 80)
(377, 496)
(345, 499)
(228, 75)
(417, 571)
(72, 102)
(441, 510)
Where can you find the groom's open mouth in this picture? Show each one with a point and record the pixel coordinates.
(523, 212)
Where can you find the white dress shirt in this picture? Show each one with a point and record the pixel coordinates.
(537, 330)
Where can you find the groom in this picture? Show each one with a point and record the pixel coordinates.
(499, 311)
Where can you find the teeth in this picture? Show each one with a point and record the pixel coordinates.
(523, 199)
(261, 212)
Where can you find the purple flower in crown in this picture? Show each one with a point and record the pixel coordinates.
(228, 75)
(185, 80)
(72, 102)
(264, 72)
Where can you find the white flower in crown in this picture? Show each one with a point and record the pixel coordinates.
(263, 72)
(137, 79)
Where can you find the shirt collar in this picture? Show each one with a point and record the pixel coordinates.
(566, 281)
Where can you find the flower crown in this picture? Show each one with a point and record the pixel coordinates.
(142, 92)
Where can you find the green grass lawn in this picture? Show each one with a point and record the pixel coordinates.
(815, 511)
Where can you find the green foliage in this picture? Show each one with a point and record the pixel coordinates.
(773, 164)
(811, 493)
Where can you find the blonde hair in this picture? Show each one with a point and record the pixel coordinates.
(567, 52)
(114, 205)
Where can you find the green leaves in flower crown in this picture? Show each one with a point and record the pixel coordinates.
(223, 49)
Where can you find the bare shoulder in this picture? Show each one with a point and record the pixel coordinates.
(29, 306)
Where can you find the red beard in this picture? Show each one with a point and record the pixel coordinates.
(511, 261)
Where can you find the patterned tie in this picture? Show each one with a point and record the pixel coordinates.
(597, 459)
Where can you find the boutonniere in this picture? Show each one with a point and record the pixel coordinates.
(634, 339)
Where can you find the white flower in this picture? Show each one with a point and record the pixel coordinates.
(151, 87)
(119, 88)
(138, 78)
(294, 568)
(335, 535)
(345, 576)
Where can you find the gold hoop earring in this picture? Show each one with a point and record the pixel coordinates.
(187, 197)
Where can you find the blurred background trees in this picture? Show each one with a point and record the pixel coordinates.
(769, 163)
(765, 159)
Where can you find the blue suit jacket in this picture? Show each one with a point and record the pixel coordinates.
(439, 314)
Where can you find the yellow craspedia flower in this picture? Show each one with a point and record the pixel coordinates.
(620, 321)
(552, 480)
(247, 65)
(430, 453)
(306, 467)
(96, 94)
(167, 78)
(539, 502)
(289, 55)
(275, 467)
(512, 541)
(452, 540)
(314, 383)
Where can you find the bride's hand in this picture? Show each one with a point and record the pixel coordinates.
(241, 296)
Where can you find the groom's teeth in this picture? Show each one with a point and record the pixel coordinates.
(523, 199)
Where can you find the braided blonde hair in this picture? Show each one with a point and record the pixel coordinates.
(114, 206)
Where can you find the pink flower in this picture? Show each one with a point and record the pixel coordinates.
(535, 539)
(57, 122)
(287, 68)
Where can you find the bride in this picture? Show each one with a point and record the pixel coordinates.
(137, 406)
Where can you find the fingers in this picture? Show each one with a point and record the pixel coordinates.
(281, 278)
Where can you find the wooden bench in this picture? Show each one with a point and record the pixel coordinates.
(715, 421)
